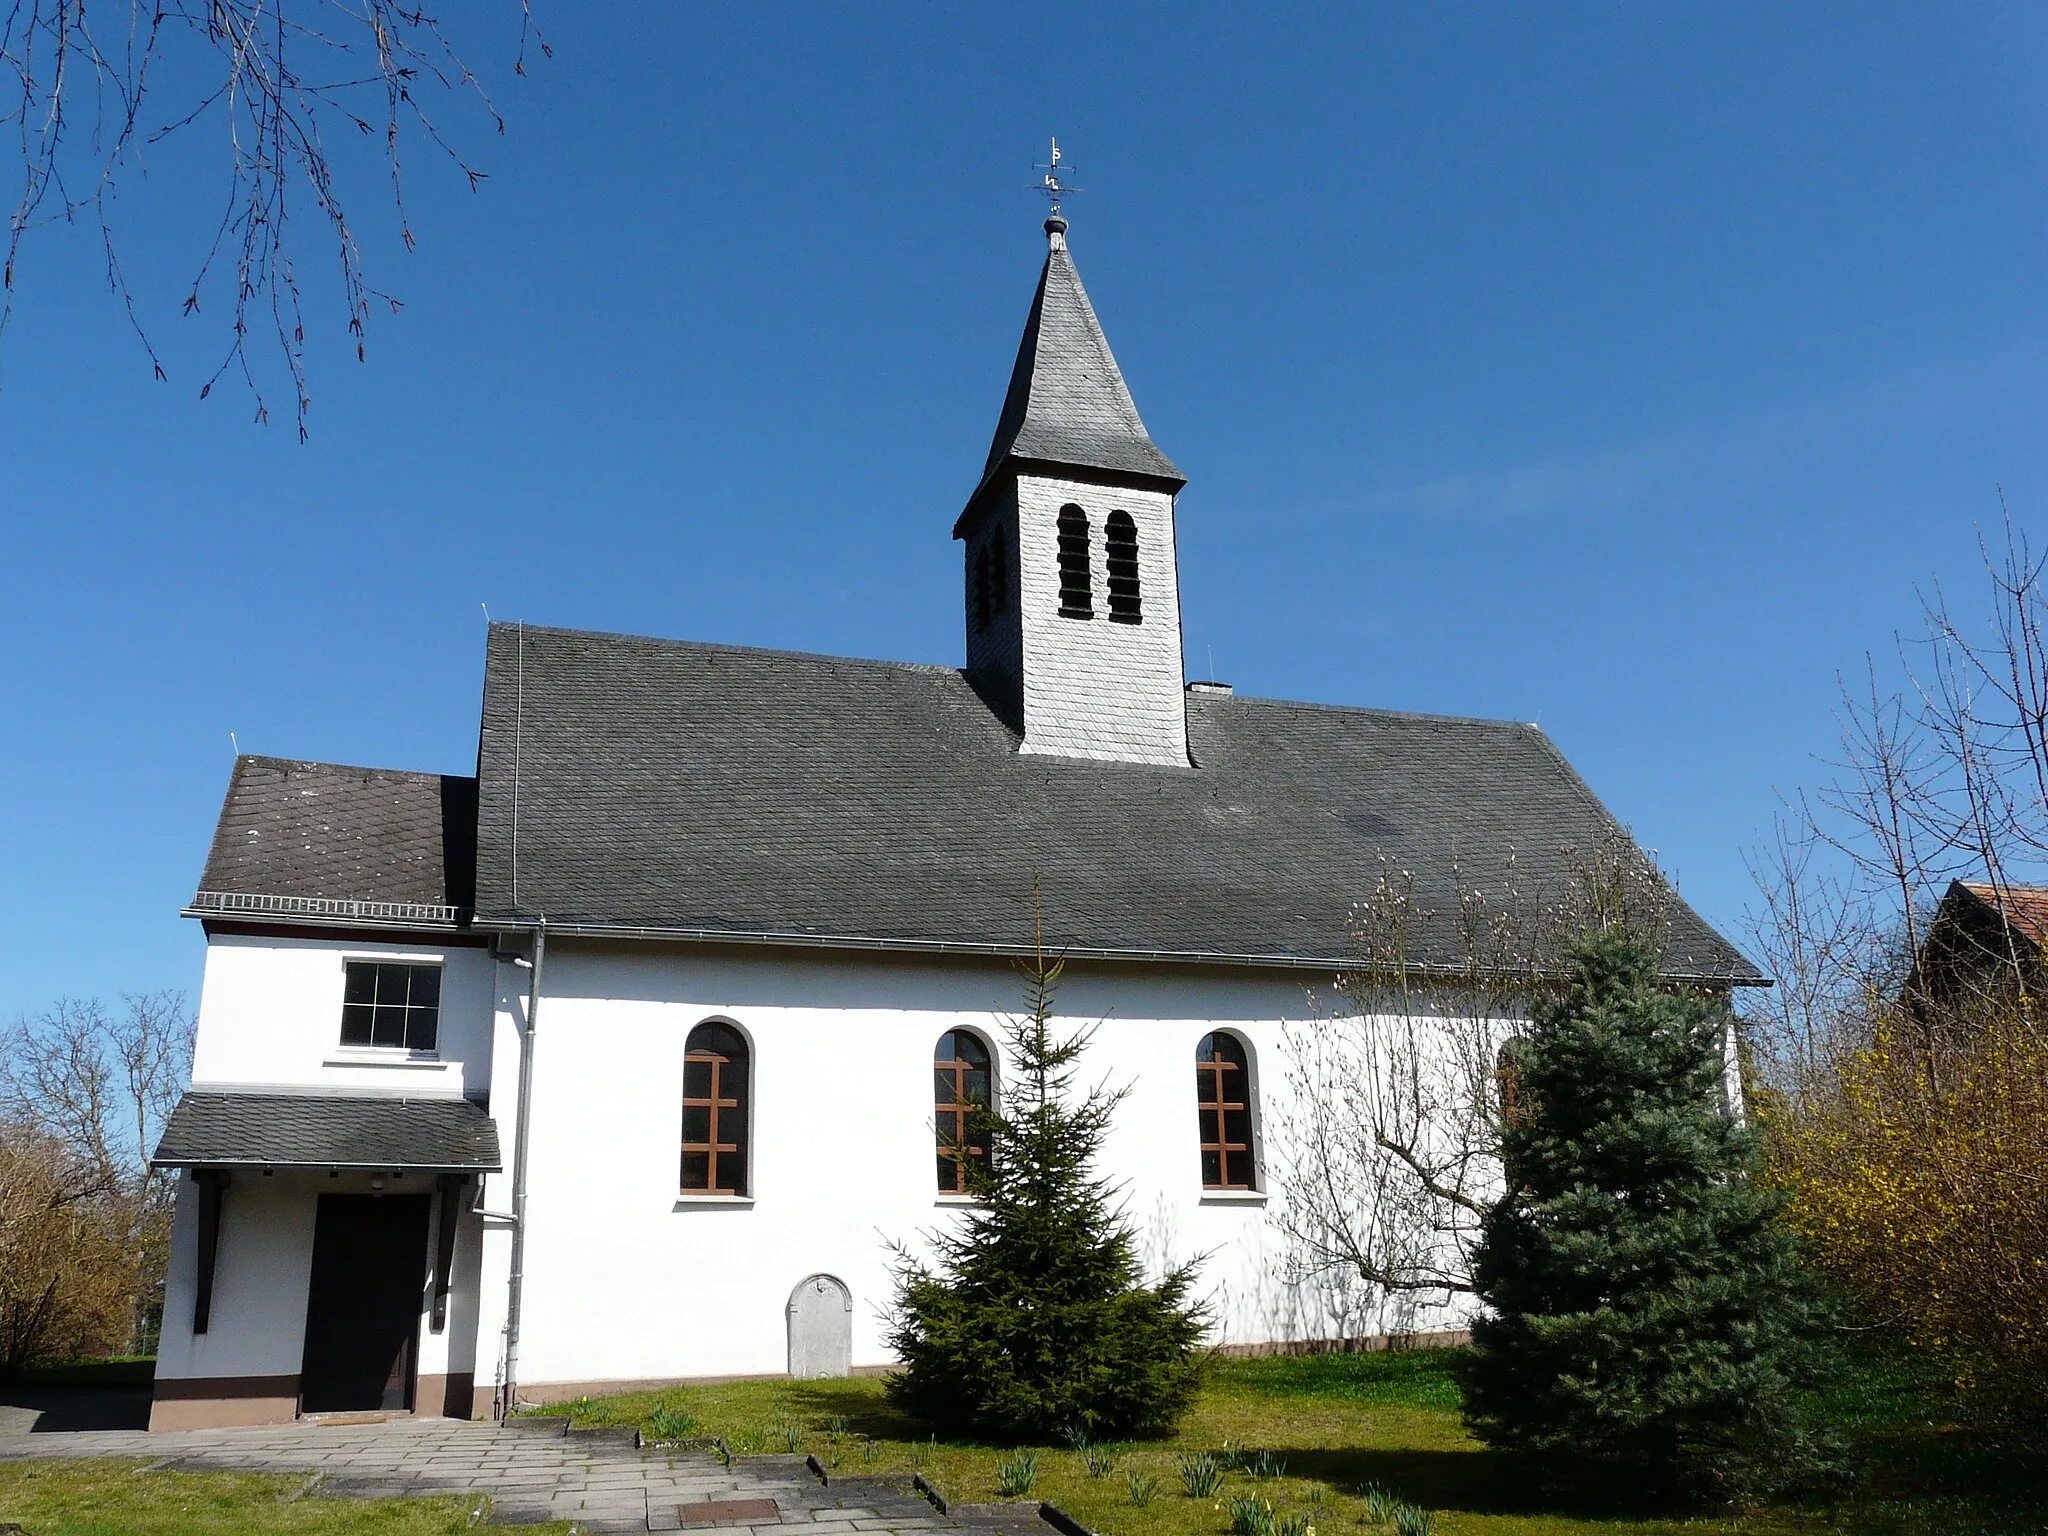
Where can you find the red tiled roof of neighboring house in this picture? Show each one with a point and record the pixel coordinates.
(2024, 906)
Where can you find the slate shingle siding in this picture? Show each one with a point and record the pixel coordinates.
(1092, 688)
(1067, 402)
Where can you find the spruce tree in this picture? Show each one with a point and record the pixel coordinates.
(1035, 1321)
(1647, 1309)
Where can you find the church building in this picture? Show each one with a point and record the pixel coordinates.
(626, 1060)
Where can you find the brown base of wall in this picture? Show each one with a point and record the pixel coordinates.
(220, 1402)
(444, 1397)
(226, 1402)
(1371, 1344)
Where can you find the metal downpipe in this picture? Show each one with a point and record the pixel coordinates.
(515, 1282)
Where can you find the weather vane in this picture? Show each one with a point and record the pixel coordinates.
(1050, 184)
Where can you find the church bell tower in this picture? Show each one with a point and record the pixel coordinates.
(1073, 596)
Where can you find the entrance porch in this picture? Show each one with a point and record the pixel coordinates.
(324, 1257)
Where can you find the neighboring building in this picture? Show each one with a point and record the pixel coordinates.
(717, 941)
(1983, 946)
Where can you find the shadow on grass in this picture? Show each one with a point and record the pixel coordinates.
(865, 1408)
(1478, 1482)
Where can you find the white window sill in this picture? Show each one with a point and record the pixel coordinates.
(386, 1056)
(958, 1200)
(692, 1202)
(1233, 1197)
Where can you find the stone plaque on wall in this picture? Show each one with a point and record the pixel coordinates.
(820, 1328)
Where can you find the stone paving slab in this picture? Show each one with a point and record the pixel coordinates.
(532, 1470)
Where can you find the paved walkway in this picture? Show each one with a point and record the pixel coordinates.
(532, 1471)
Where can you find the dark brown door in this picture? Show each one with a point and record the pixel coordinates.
(363, 1305)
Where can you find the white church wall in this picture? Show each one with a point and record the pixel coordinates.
(1093, 688)
(629, 1281)
(257, 1320)
(270, 1015)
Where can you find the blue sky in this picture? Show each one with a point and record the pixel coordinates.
(1622, 369)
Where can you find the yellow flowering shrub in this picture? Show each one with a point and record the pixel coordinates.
(1919, 1174)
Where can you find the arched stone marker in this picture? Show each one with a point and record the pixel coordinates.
(820, 1328)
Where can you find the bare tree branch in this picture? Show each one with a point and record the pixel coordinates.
(275, 78)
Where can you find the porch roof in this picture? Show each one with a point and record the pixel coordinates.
(227, 1128)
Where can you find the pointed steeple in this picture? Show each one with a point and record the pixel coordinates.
(1068, 405)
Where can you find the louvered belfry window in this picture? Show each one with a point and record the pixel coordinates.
(1077, 587)
(1223, 1096)
(998, 572)
(716, 1083)
(1120, 535)
(961, 1084)
(982, 595)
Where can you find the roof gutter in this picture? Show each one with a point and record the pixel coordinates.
(515, 1280)
(985, 948)
(301, 1164)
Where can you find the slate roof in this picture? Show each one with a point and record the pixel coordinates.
(224, 1128)
(1067, 402)
(665, 787)
(319, 839)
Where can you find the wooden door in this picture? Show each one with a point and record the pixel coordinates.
(363, 1304)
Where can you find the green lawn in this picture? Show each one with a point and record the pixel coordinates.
(114, 1498)
(1339, 1423)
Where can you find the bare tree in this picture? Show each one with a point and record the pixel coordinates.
(286, 84)
(1943, 777)
(1389, 1143)
(63, 1274)
(1908, 1059)
(83, 1097)
(1835, 953)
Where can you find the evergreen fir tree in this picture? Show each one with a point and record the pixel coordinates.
(1035, 1323)
(1647, 1306)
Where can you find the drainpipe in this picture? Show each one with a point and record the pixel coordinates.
(515, 1283)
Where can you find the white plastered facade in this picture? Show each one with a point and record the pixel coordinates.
(628, 1278)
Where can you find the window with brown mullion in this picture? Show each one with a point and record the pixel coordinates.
(961, 1084)
(715, 1109)
(1223, 1097)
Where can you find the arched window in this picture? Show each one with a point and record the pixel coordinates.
(1223, 1095)
(961, 1084)
(1077, 587)
(716, 1106)
(982, 607)
(1120, 535)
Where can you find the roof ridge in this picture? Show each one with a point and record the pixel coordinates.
(1325, 707)
(731, 647)
(318, 762)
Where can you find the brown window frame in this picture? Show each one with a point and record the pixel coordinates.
(959, 1107)
(1214, 1105)
(715, 1146)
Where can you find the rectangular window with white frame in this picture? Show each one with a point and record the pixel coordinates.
(385, 1003)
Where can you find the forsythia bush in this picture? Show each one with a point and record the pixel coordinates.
(1920, 1178)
